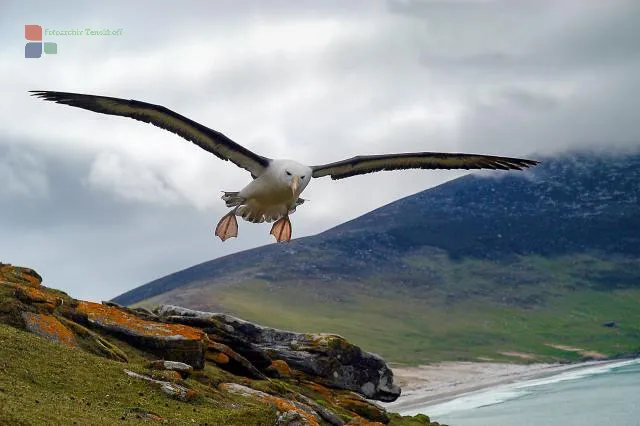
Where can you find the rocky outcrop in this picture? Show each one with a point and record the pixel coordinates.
(327, 357)
(198, 357)
(169, 341)
(10, 274)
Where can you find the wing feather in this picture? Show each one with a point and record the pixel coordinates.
(210, 140)
(418, 160)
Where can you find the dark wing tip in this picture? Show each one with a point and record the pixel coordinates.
(528, 163)
(58, 97)
(41, 93)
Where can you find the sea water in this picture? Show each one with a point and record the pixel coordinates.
(606, 394)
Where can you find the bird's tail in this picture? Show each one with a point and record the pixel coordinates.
(253, 212)
(232, 199)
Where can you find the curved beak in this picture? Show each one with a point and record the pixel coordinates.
(295, 184)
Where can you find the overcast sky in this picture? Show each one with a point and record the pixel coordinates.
(100, 204)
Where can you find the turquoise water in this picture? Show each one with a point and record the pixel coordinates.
(594, 396)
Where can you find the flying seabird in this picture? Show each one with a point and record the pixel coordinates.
(274, 192)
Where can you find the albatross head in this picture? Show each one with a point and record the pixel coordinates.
(292, 174)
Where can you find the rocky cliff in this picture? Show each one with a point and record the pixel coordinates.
(213, 363)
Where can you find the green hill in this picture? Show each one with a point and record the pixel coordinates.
(518, 266)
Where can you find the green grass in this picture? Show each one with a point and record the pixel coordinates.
(407, 328)
(45, 383)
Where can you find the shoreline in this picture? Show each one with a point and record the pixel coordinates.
(442, 382)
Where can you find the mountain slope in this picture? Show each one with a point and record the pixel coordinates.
(482, 266)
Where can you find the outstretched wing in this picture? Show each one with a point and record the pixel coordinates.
(206, 138)
(417, 160)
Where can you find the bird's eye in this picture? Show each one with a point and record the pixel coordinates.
(288, 173)
(302, 177)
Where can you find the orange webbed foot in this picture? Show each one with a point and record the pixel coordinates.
(227, 227)
(282, 229)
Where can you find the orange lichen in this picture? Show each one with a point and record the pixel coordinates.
(281, 367)
(190, 395)
(19, 275)
(220, 358)
(171, 376)
(359, 421)
(50, 328)
(283, 405)
(280, 404)
(322, 390)
(110, 316)
(220, 353)
(33, 295)
(360, 406)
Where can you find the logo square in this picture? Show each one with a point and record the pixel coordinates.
(33, 50)
(50, 48)
(33, 32)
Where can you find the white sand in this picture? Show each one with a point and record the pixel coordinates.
(436, 383)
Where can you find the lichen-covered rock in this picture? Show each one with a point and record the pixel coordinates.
(50, 328)
(329, 358)
(219, 358)
(217, 331)
(356, 404)
(280, 368)
(173, 342)
(42, 301)
(180, 367)
(359, 421)
(326, 414)
(167, 376)
(291, 418)
(305, 414)
(93, 342)
(231, 361)
(19, 275)
(173, 390)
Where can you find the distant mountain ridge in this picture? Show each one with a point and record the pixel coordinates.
(575, 202)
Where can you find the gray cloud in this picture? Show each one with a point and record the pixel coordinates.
(101, 204)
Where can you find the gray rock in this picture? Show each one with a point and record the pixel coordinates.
(181, 367)
(173, 390)
(328, 357)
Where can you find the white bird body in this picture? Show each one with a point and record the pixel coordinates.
(270, 196)
(274, 193)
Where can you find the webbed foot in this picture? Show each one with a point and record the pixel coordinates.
(228, 226)
(282, 229)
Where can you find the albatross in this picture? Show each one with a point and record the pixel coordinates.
(274, 192)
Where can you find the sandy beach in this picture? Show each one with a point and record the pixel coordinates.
(436, 383)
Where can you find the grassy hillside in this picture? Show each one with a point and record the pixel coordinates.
(47, 383)
(463, 318)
